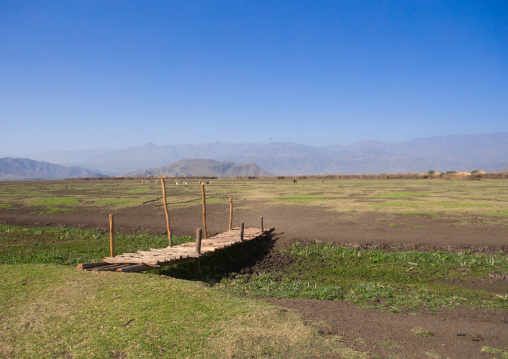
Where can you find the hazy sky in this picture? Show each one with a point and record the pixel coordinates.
(113, 74)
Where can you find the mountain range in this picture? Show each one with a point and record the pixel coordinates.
(25, 169)
(488, 152)
(201, 167)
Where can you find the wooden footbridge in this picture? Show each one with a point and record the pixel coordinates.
(156, 258)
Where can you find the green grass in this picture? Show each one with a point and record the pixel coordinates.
(491, 350)
(69, 246)
(372, 278)
(50, 305)
(378, 279)
(54, 201)
(396, 204)
(402, 194)
(354, 197)
(457, 204)
(51, 311)
(499, 213)
(53, 211)
(138, 191)
(389, 344)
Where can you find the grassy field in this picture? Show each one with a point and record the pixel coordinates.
(49, 309)
(486, 198)
(53, 311)
(397, 282)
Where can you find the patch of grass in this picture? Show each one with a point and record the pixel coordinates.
(422, 332)
(389, 344)
(53, 311)
(396, 204)
(264, 283)
(69, 246)
(403, 194)
(138, 191)
(392, 281)
(457, 204)
(54, 201)
(498, 213)
(54, 211)
(492, 350)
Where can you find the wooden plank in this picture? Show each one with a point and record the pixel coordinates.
(108, 268)
(91, 265)
(136, 268)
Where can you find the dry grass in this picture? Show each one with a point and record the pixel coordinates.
(487, 198)
(55, 311)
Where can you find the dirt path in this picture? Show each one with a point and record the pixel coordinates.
(457, 333)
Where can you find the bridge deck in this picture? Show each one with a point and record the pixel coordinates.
(156, 258)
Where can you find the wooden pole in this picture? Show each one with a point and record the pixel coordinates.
(198, 249)
(198, 240)
(204, 210)
(230, 213)
(111, 236)
(166, 211)
(241, 235)
(261, 223)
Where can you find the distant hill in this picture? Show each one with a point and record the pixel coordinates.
(201, 167)
(26, 169)
(488, 152)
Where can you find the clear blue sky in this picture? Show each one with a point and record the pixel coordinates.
(114, 74)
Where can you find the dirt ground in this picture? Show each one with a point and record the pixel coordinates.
(293, 223)
(458, 333)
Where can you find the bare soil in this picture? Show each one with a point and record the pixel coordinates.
(457, 333)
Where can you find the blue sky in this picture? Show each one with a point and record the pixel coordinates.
(114, 74)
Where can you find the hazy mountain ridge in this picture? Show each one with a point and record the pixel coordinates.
(24, 168)
(202, 167)
(488, 152)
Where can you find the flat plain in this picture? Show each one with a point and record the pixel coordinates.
(356, 268)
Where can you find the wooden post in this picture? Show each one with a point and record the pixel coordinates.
(230, 213)
(261, 223)
(170, 240)
(241, 235)
(198, 240)
(204, 210)
(111, 236)
(198, 249)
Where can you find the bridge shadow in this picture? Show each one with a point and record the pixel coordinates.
(224, 264)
